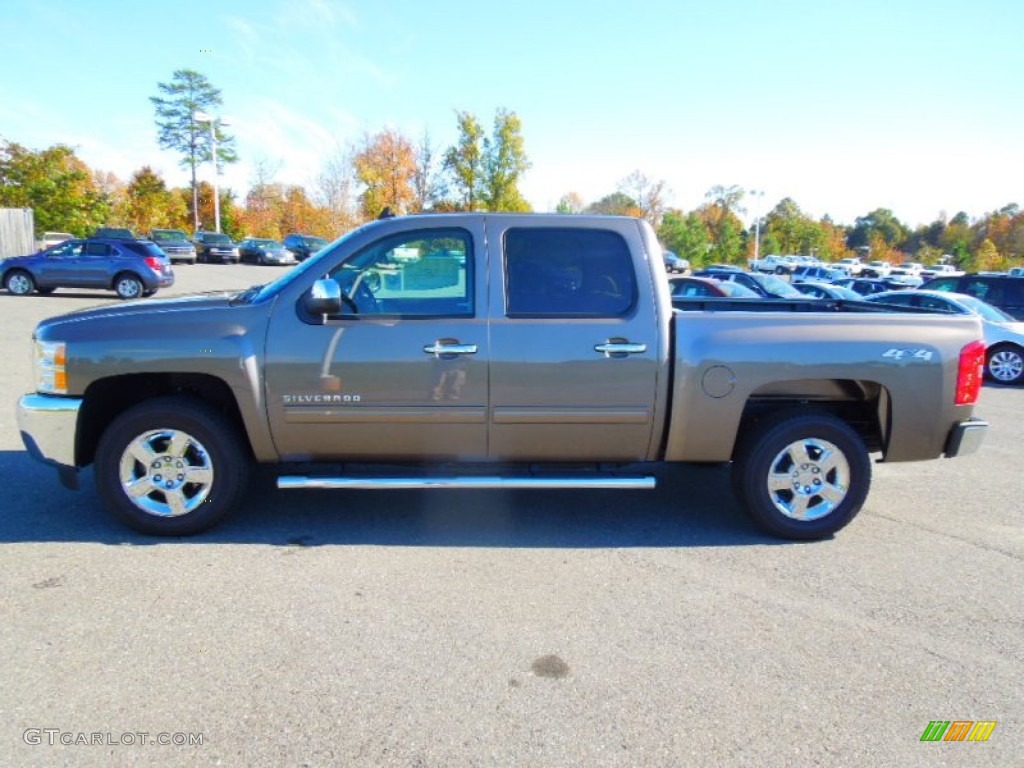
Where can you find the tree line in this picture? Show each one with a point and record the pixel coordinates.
(480, 171)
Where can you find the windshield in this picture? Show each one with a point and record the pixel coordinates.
(217, 239)
(315, 242)
(777, 287)
(267, 243)
(166, 235)
(987, 311)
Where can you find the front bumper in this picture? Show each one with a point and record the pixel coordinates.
(47, 424)
(966, 437)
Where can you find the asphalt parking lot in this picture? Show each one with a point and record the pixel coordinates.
(469, 628)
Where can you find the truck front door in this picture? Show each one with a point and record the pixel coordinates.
(401, 374)
(574, 342)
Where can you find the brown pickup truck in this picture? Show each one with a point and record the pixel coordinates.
(494, 351)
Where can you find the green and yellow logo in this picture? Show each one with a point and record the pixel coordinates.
(958, 730)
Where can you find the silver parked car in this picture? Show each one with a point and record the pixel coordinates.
(1004, 336)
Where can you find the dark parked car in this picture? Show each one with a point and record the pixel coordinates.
(131, 268)
(175, 243)
(304, 246)
(675, 264)
(765, 285)
(1002, 291)
(869, 286)
(263, 251)
(817, 274)
(114, 233)
(214, 246)
(702, 287)
(827, 291)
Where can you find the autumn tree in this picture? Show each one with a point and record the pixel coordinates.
(386, 166)
(881, 222)
(505, 162)
(333, 191)
(178, 130)
(956, 240)
(570, 202)
(230, 221)
(58, 186)
(686, 236)
(649, 196)
(789, 230)
(427, 182)
(988, 258)
(148, 204)
(464, 161)
(615, 204)
(485, 170)
(724, 226)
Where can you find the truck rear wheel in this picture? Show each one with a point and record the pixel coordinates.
(802, 476)
(171, 467)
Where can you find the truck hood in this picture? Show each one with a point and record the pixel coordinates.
(147, 307)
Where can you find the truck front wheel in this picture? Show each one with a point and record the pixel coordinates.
(802, 476)
(171, 466)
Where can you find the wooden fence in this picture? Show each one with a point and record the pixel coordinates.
(17, 232)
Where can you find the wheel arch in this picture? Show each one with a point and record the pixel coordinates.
(864, 405)
(107, 398)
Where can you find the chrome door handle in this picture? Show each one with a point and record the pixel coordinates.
(620, 348)
(440, 348)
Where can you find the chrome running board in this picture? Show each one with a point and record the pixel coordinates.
(396, 483)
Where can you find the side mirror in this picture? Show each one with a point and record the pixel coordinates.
(324, 298)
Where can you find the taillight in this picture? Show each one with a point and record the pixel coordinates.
(969, 373)
(154, 263)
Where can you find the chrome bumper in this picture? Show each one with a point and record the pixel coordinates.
(966, 437)
(47, 424)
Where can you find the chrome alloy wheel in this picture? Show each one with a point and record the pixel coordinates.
(1006, 365)
(166, 473)
(808, 479)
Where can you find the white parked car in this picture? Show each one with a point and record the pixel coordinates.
(851, 265)
(775, 264)
(52, 238)
(877, 268)
(1004, 336)
(941, 270)
(908, 268)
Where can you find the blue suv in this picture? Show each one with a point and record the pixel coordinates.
(130, 268)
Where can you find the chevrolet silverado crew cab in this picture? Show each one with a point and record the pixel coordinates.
(494, 351)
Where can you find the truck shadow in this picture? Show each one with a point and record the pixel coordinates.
(693, 506)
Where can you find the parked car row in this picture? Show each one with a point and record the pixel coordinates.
(997, 299)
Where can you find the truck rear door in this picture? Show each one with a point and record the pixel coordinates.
(574, 341)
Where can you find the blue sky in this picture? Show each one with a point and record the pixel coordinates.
(842, 106)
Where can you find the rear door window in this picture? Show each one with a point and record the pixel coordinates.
(552, 272)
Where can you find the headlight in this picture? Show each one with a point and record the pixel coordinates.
(51, 367)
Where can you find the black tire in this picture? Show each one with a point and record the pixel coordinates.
(208, 449)
(1005, 363)
(128, 286)
(19, 282)
(823, 458)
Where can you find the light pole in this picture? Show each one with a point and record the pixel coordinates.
(202, 117)
(757, 223)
